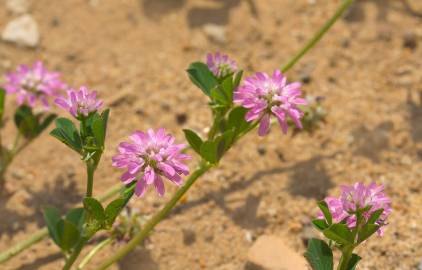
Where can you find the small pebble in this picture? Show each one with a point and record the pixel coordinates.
(189, 237)
(410, 41)
(181, 118)
(261, 150)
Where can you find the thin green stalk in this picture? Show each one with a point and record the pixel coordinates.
(90, 168)
(346, 255)
(75, 253)
(157, 217)
(7, 157)
(317, 37)
(18, 248)
(93, 252)
(214, 128)
(42, 233)
(169, 206)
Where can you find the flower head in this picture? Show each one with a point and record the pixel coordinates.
(367, 199)
(221, 65)
(80, 103)
(266, 95)
(149, 157)
(32, 84)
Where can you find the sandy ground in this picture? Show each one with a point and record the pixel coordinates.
(135, 53)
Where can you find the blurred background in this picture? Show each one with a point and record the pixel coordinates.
(135, 53)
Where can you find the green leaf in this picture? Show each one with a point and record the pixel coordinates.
(194, 140)
(95, 218)
(320, 224)
(76, 216)
(113, 209)
(94, 208)
(366, 231)
(105, 116)
(25, 121)
(228, 88)
(202, 77)
(67, 133)
(219, 96)
(219, 141)
(327, 214)
(51, 218)
(319, 255)
(375, 216)
(98, 129)
(237, 120)
(209, 151)
(46, 122)
(224, 142)
(68, 233)
(339, 233)
(2, 101)
(237, 79)
(353, 261)
(128, 191)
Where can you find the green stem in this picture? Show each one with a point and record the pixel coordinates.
(90, 168)
(75, 253)
(318, 35)
(7, 156)
(214, 128)
(346, 255)
(93, 252)
(42, 233)
(139, 237)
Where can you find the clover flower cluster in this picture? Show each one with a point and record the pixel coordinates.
(264, 95)
(34, 84)
(149, 157)
(221, 65)
(359, 197)
(80, 103)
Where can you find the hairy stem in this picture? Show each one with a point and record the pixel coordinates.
(90, 168)
(75, 253)
(94, 251)
(318, 35)
(346, 255)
